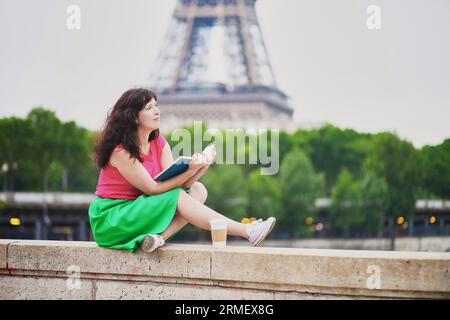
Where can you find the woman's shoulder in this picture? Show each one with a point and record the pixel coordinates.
(118, 147)
(119, 154)
(161, 141)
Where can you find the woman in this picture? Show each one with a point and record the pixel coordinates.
(131, 209)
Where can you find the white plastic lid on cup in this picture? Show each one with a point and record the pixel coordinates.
(218, 232)
(218, 224)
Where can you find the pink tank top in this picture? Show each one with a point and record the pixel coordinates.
(111, 184)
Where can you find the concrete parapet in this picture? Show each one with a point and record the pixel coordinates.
(82, 270)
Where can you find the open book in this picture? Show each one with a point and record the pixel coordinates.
(179, 166)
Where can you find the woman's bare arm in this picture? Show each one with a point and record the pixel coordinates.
(166, 157)
(135, 173)
(189, 182)
(167, 160)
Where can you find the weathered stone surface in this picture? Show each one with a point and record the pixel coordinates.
(280, 295)
(173, 261)
(146, 290)
(428, 244)
(328, 270)
(202, 272)
(3, 252)
(17, 287)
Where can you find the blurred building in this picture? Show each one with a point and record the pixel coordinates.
(214, 67)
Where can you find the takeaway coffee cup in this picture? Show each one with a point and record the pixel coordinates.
(219, 232)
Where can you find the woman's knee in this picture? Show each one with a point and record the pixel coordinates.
(200, 190)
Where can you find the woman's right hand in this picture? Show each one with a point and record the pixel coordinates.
(198, 161)
(210, 153)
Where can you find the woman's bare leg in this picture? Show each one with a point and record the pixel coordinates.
(175, 225)
(199, 192)
(196, 213)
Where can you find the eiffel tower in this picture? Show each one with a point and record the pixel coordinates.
(214, 67)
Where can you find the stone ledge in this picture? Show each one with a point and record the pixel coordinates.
(240, 272)
(3, 246)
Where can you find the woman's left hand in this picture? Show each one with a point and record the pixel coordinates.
(210, 153)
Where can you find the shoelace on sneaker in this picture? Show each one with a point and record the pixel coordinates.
(251, 228)
(161, 241)
(254, 222)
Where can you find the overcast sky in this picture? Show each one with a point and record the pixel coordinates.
(324, 57)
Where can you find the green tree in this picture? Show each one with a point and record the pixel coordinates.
(344, 211)
(435, 170)
(374, 200)
(331, 149)
(300, 186)
(358, 204)
(397, 162)
(83, 175)
(286, 144)
(47, 146)
(15, 141)
(263, 196)
(77, 168)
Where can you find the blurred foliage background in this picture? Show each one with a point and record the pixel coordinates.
(367, 177)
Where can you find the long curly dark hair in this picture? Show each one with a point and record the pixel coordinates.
(121, 127)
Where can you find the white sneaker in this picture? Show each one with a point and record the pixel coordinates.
(259, 230)
(152, 242)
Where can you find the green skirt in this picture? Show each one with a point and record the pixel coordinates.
(123, 223)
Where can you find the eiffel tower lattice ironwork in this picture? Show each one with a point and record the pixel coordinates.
(214, 67)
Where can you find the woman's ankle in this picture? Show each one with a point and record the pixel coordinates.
(244, 232)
